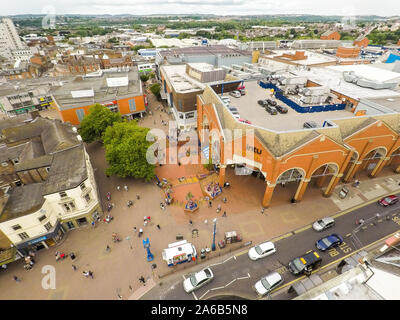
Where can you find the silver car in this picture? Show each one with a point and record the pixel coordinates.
(197, 280)
(268, 283)
(323, 224)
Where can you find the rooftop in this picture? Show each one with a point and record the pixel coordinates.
(105, 87)
(369, 72)
(249, 109)
(312, 57)
(204, 50)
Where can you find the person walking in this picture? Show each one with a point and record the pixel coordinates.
(224, 199)
(158, 226)
(137, 197)
(262, 210)
(191, 222)
(134, 229)
(108, 249)
(74, 267)
(90, 273)
(72, 255)
(126, 188)
(118, 188)
(224, 215)
(142, 280)
(16, 279)
(210, 204)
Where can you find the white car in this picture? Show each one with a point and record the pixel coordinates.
(262, 250)
(197, 280)
(323, 224)
(268, 283)
(235, 94)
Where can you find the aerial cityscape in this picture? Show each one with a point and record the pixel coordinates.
(201, 152)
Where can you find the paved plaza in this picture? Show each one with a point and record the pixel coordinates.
(117, 272)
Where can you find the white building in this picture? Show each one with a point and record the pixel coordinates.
(9, 38)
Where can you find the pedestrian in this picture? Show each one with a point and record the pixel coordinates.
(142, 280)
(224, 199)
(126, 188)
(4, 266)
(90, 273)
(118, 188)
(108, 249)
(134, 229)
(191, 222)
(210, 204)
(283, 184)
(130, 288)
(73, 256)
(137, 197)
(219, 208)
(93, 224)
(74, 267)
(262, 210)
(119, 296)
(16, 279)
(224, 215)
(158, 226)
(85, 274)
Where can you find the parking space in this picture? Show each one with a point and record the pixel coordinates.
(249, 109)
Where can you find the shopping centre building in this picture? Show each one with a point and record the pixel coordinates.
(277, 148)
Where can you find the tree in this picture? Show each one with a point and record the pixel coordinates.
(126, 148)
(144, 77)
(155, 89)
(96, 122)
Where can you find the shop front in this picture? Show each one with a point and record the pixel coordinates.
(43, 242)
(83, 220)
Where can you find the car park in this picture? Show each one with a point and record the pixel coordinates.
(389, 200)
(262, 250)
(323, 224)
(271, 110)
(235, 94)
(268, 283)
(197, 280)
(305, 263)
(329, 242)
(309, 124)
(281, 109)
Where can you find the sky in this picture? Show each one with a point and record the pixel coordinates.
(219, 7)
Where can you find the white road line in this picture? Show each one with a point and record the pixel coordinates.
(217, 288)
(248, 274)
(234, 257)
(194, 296)
(204, 294)
(215, 264)
(183, 277)
(230, 282)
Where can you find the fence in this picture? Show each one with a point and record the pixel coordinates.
(280, 96)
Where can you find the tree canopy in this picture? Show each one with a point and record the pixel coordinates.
(126, 148)
(155, 89)
(96, 122)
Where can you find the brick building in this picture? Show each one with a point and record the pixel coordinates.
(330, 35)
(348, 52)
(361, 41)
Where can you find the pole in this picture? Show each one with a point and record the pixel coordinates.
(215, 231)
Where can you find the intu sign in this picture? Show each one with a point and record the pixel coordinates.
(253, 149)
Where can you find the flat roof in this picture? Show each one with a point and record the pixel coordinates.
(369, 72)
(109, 86)
(312, 57)
(392, 103)
(249, 109)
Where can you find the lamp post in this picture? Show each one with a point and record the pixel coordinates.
(215, 231)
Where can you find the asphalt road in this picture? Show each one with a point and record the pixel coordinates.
(237, 274)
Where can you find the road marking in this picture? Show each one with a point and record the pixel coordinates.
(234, 257)
(231, 282)
(204, 294)
(215, 264)
(302, 229)
(329, 264)
(240, 253)
(194, 296)
(183, 277)
(218, 288)
(348, 235)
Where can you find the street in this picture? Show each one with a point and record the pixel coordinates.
(236, 275)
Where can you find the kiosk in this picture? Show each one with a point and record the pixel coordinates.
(179, 252)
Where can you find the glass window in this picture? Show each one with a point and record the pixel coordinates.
(48, 226)
(63, 194)
(87, 197)
(82, 186)
(23, 235)
(43, 217)
(16, 227)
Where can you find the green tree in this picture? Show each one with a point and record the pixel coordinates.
(96, 122)
(144, 77)
(126, 147)
(155, 89)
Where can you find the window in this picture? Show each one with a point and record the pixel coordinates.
(43, 217)
(87, 198)
(63, 194)
(23, 235)
(189, 115)
(82, 186)
(16, 227)
(69, 206)
(48, 226)
(47, 169)
(18, 183)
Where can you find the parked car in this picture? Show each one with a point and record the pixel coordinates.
(389, 200)
(262, 250)
(329, 242)
(305, 263)
(235, 94)
(233, 108)
(271, 102)
(268, 283)
(225, 100)
(245, 121)
(309, 124)
(242, 91)
(261, 103)
(197, 280)
(323, 224)
(271, 110)
(281, 109)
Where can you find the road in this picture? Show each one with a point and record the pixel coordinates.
(237, 274)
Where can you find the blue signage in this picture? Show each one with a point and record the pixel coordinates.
(37, 240)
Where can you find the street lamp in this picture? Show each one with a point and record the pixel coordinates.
(215, 231)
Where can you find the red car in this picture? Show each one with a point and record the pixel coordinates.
(388, 201)
(245, 121)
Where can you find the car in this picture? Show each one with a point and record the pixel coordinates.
(197, 280)
(261, 103)
(389, 200)
(323, 224)
(272, 103)
(225, 99)
(309, 124)
(329, 242)
(281, 109)
(245, 121)
(233, 108)
(261, 251)
(235, 94)
(268, 283)
(242, 91)
(305, 263)
(271, 110)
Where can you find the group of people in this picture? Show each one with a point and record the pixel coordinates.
(213, 189)
(29, 261)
